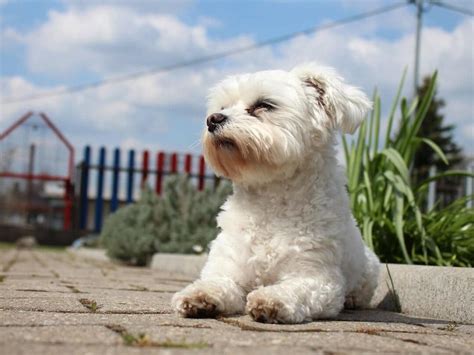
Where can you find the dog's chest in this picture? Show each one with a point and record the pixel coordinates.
(271, 243)
(273, 232)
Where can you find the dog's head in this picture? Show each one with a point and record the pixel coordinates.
(262, 126)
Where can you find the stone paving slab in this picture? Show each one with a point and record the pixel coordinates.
(77, 334)
(22, 348)
(53, 302)
(328, 341)
(133, 286)
(111, 301)
(28, 275)
(439, 342)
(38, 319)
(42, 284)
(357, 324)
(43, 304)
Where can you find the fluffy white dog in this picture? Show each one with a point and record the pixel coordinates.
(289, 250)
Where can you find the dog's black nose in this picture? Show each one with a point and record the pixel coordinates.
(215, 120)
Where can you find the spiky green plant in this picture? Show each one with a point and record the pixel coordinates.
(452, 229)
(386, 204)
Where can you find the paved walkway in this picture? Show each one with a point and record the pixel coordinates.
(58, 303)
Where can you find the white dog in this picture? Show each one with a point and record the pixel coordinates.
(289, 250)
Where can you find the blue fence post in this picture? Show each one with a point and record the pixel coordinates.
(99, 203)
(130, 174)
(115, 181)
(84, 198)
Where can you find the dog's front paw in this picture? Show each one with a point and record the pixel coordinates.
(267, 309)
(196, 304)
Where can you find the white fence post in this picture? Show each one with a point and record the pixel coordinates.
(470, 185)
(431, 189)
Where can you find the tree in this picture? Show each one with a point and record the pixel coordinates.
(434, 128)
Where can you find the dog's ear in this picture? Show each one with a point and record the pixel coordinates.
(345, 105)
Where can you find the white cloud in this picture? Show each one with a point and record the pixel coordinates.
(166, 110)
(143, 111)
(146, 6)
(469, 131)
(110, 39)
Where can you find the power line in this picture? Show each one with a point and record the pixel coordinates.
(453, 8)
(201, 60)
(420, 9)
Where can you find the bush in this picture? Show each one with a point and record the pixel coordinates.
(186, 217)
(129, 234)
(182, 220)
(388, 206)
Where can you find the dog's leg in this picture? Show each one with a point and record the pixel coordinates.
(208, 298)
(219, 289)
(360, 297)
(298, 298)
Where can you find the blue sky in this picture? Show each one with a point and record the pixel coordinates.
(46, 45)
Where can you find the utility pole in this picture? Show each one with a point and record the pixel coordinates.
(420, 8)
(419, 19)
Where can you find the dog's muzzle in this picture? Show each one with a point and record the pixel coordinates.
(215, 120)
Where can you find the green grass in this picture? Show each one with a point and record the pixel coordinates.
(144, 340)
(393, 291)
(388, 206)
(91, 305)
(450, 327)
(6, 245)
(55, 248)
(74, 289)
(139, 288)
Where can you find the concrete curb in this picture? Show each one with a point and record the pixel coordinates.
(427, 291)
(424, 291)
(89, 253)
(187, 265)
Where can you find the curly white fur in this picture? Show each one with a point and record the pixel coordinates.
(289, 250)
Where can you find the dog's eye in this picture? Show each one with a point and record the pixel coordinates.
(263, 105)
(259, 106)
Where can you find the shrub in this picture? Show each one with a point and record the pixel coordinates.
(186, 217)
(182, 220)
(129, 234)
(388, 205)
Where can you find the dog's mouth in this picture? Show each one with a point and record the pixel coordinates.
(224, 143)
(224, 155)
